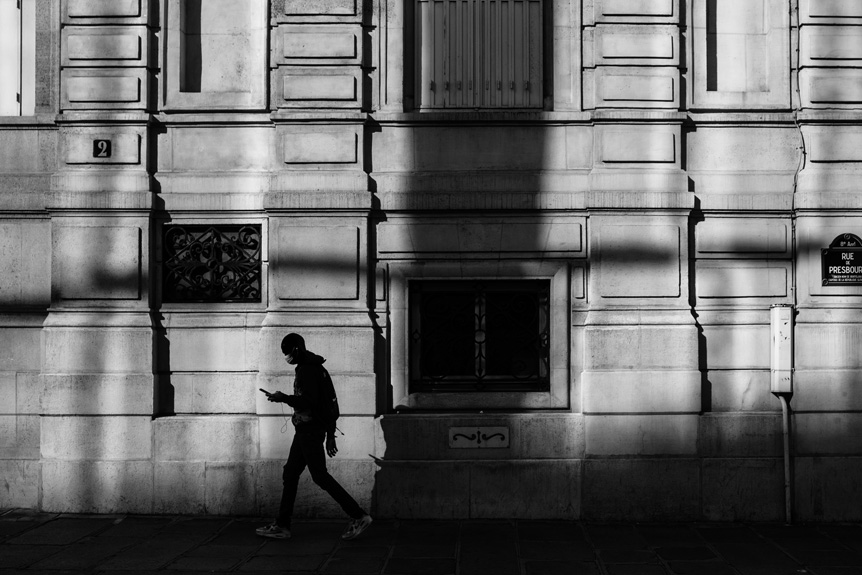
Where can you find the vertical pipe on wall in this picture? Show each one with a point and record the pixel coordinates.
(781, 384)
(788, 486)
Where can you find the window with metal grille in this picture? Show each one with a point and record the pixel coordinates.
(203, 263)
(479, 53)
(479, 336)
(17, 57)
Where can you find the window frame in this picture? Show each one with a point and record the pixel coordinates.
(158, 266)
(776, 95)
(479, 292)
(254, 97)
(557, 397)
(413, 57)
(22, 72)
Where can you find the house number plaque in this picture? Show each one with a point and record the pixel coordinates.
(101, 148)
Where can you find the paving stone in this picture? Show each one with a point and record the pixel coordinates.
(836, 571)
(195, 529)
(147, 555)
(735, 534)
(60, 531)
(214, 550)
(424, 550)
(701, 568)
(302, 530)
(419, 532)
(685, 553)
(380, 533)
(797, 537)
(20, 556)
(11, 528)
(283, 563)
(37, 572)
(136, 527)
(627, 556)
(849, 535)
(238, 533)
(505, 548)
(488, 564)
(85, 555)
(420, 566)
(26, 515)
(203, 563)
(636, 570)
(827, 557)
(669, 535)
(557, 550)
(549, 531)
(354, 565)
(347, 552)
(748, 558)
(297, 546)
(615, 537)
(560, 568)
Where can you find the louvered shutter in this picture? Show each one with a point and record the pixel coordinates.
(479, 53)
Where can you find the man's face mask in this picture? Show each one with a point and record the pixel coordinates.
(292, 356)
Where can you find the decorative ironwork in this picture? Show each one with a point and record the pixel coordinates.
(480, 336)
(205, 263)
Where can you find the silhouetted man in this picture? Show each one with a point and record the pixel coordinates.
(307, 449)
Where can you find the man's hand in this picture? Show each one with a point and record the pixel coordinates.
(277, 397)
(331, 449)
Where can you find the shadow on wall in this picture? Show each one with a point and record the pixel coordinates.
(469, 202)
(96, 442)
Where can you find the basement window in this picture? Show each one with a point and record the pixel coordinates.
(477, 336)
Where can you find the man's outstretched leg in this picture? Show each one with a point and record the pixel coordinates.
(316, 460)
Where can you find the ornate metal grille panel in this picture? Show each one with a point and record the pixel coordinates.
(480, 335)
(204, 263)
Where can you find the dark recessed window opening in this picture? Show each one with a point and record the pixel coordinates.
(205, 263)
(479, 336)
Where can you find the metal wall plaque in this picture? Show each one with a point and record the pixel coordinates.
(478, 437)
(101, 148)
(842, 261)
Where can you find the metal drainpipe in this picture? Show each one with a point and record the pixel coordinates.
(781, 385)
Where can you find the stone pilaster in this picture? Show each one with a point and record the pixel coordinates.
(97, 367)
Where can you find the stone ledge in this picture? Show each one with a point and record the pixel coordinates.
(317, 200)
(837, 200)
(468, 117)
(481, 201)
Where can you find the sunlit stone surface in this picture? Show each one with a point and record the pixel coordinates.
(649, 176)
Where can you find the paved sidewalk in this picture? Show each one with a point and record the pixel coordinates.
(50, 543)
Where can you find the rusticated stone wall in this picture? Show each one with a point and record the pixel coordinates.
(688, 164)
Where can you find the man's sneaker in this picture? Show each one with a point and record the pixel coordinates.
(273, 531)
(355, 527)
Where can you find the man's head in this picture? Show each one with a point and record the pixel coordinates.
(292, 346)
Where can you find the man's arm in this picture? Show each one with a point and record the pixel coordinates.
(307, 388)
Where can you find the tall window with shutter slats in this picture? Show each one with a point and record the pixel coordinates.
(479, 53)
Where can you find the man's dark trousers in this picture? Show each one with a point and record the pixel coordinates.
(307, 450)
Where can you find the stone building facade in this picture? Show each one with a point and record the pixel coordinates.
(540, 243)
